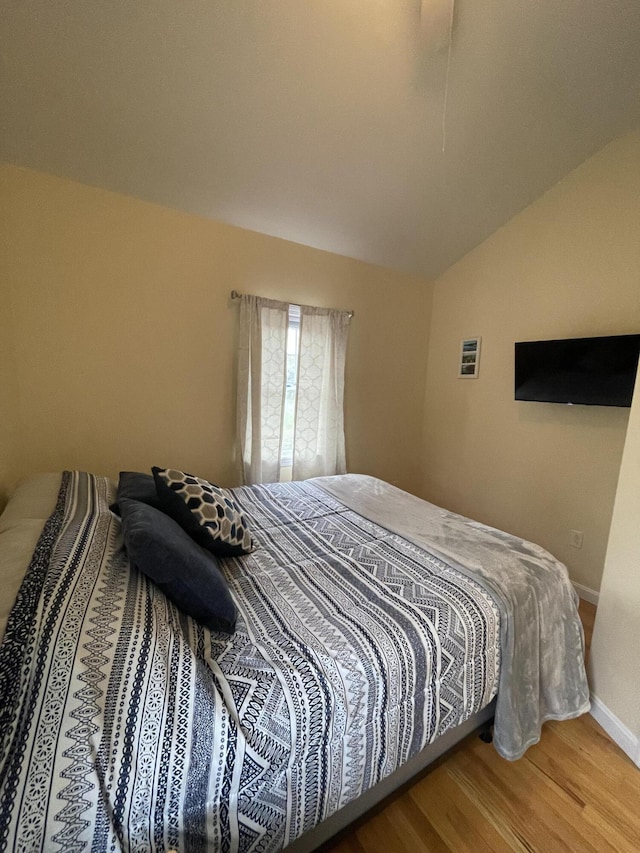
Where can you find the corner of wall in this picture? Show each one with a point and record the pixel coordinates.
(617, 731)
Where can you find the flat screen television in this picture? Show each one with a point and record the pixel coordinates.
(580, 371)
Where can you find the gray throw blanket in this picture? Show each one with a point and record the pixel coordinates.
(542, 674)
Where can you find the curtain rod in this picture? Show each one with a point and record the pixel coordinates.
(236, 295)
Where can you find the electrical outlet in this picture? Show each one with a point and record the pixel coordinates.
(575, 538)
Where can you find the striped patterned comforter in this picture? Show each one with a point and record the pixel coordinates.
(127, 726)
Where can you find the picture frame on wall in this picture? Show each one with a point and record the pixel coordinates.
(469, 358)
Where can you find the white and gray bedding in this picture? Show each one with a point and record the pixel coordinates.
(126, 725)
(542, 672)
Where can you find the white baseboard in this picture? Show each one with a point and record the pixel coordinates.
(585, 592)
(617, 731)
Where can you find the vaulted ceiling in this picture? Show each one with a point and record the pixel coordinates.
(322, 121)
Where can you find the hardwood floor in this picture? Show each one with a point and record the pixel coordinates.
(588, 616)
(574, 791)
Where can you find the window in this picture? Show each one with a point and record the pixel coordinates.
(290, 390)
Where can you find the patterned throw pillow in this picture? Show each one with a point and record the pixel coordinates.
(207, 514)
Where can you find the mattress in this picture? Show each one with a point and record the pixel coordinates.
(132, 727)
(21, 524)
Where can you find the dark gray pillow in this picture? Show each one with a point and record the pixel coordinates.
(208, 513)
(137, 487)
(185, 572)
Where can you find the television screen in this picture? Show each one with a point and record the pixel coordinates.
(585, 371)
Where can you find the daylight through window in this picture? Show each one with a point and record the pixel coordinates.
(291, 390)
(291, 361)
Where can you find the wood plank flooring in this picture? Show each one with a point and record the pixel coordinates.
(588, 616)
(574, 791)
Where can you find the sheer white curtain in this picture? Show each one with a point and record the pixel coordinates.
(318, 446)
(262, 361)
(318, 433)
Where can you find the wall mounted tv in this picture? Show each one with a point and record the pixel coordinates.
(584, 371)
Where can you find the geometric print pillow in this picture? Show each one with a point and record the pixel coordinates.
(203, 510)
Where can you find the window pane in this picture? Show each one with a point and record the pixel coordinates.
(288, 418)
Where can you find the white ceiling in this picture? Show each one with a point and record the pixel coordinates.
(321, 121)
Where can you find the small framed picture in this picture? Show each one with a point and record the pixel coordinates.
(469, 358)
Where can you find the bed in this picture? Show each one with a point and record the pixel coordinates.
(373, 631)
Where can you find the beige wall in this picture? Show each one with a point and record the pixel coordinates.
(614, 661)
(125, 333)
(567, 266)
(9, 462)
